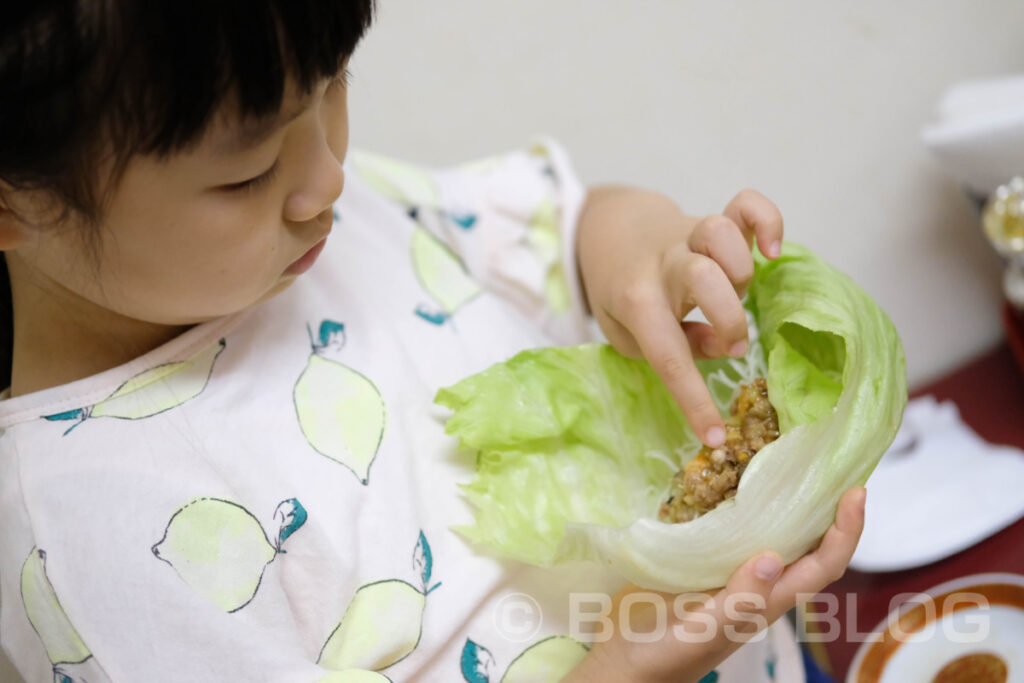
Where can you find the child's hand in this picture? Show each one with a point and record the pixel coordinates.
(754, 594)
(645, 265)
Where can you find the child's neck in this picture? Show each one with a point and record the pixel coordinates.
(60, 337)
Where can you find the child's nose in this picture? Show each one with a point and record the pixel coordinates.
(319, 186)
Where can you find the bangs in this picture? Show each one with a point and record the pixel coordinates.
(188, 57)
(80, 78)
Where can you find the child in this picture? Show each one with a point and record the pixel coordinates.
(216, 465)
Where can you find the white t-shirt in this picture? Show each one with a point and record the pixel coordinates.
(270, 495)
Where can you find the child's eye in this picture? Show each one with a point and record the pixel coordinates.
(253, 183)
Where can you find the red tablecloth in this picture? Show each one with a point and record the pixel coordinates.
(990, 395)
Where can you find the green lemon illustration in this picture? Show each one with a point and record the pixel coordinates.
(546, 661)
(161, 388)
(381, 626)
(441, 272)
(542, 233)
(341, 412)
(545, 239)
(61, 640)
(354, 676)
(383, 622)
(219, 548)
(398, 180)
(556, 289)
(153, 391)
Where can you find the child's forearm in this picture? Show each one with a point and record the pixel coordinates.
(593, 669)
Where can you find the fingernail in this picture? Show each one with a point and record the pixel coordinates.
(714, 437)
(739, 349)
(768, 567)
(775, 249)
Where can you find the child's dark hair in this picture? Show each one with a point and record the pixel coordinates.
(88, 84)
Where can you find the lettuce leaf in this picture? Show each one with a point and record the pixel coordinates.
(577, 446)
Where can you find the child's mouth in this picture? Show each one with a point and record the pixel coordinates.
(306, 261)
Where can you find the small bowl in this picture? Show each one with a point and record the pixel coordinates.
(969, 630)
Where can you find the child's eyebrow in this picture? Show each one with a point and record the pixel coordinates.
(251, 133)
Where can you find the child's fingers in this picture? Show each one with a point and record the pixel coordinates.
(752, 211)
(696, 279)
(704, 342)
(661, 340)
(740, 609)
(816, 570)
(720, 239)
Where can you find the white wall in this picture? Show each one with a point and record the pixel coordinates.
(817, 104)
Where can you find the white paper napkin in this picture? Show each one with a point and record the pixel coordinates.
(940, 488)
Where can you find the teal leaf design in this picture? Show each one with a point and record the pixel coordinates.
(464, 221)
(330, 331)
(75, 414)
(78, 414)
(423, 561)
(709, 678)
(292, 516)
(476, 662)
(433, 318)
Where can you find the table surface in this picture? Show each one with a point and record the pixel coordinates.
(989, 393)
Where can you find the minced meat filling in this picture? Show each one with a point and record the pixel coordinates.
(714, 474)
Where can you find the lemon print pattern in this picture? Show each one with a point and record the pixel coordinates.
(545, 238)
(340, 411)
(71, 659)
(407, 185)
(546, 661)
(220, 549)
(151, 392)
(440, 272)
(384, 620)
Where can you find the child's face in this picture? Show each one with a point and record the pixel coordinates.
(212, 230)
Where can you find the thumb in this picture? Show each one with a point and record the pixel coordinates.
(739, 609)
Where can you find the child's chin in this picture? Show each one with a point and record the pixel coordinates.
(282, 284)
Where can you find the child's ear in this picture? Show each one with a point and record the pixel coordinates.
(13, 231)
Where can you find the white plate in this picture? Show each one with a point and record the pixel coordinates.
(924, 498)
(971, 621)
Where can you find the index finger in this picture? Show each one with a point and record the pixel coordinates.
(663, 343)
(754, 212)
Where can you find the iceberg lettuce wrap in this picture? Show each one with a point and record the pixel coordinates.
(576, 447)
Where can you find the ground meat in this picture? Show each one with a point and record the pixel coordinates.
(714, 474)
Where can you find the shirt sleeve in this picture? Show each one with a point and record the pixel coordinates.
(510, 220)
